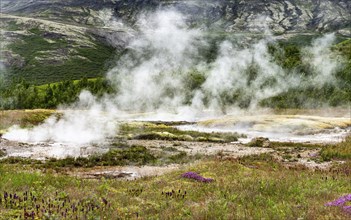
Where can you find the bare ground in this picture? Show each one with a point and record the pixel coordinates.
(290, 157)
(122, 172)
(204, 148)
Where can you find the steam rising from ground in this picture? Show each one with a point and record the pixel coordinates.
(151, 76)
(90, 124)
(154, 75)
(320, 57)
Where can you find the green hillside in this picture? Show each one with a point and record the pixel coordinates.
(46, 57)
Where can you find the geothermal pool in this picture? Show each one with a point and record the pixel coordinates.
(282, 128)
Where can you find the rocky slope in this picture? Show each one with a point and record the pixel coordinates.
(282, 16)
(237, 15)
(63, 35)
(50, 41)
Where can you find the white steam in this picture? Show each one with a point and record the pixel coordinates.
(322, 61)
(229, 74)
(153, 76)
(89, 122)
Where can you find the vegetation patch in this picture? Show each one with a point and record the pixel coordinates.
(134, 155)
(13, 26)
(21, 95)
(152, 131)
(242, 188)
(2, 153)
(23, 118)
(259, 142)
(36, 205)
(123, 156)
(341, 150)
(64, 59)
(288, 54)
(274, 144)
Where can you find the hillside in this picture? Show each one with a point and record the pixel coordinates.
(283, 16)
(45, 42)
(44, 51)
(63, 34)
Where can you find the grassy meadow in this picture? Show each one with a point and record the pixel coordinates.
(49, 69)
(251, 187)
(255, 187)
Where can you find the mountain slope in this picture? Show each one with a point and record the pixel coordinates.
(235, 15)
(51, 41)
(47, 41)
(282, 16)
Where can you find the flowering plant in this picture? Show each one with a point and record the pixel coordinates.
(341, 202)
(195, 176)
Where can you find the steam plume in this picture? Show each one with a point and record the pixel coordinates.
(153, 76)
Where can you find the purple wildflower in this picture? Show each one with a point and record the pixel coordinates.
(195, 176)
(340, 202)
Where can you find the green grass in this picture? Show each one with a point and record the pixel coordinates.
(119, 155)
(30, 46)
(157, 131)
(13, 26)
(42, 88)
(93, 64)
(300, 40)
(134, 155)
(23, 118)
(345, 48)
(338, 151)
(252, 187)
(249, 188)
(2, 153)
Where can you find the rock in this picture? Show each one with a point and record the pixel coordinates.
(259, 142)
(53, 35)
(14, 60)
(110, 175)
